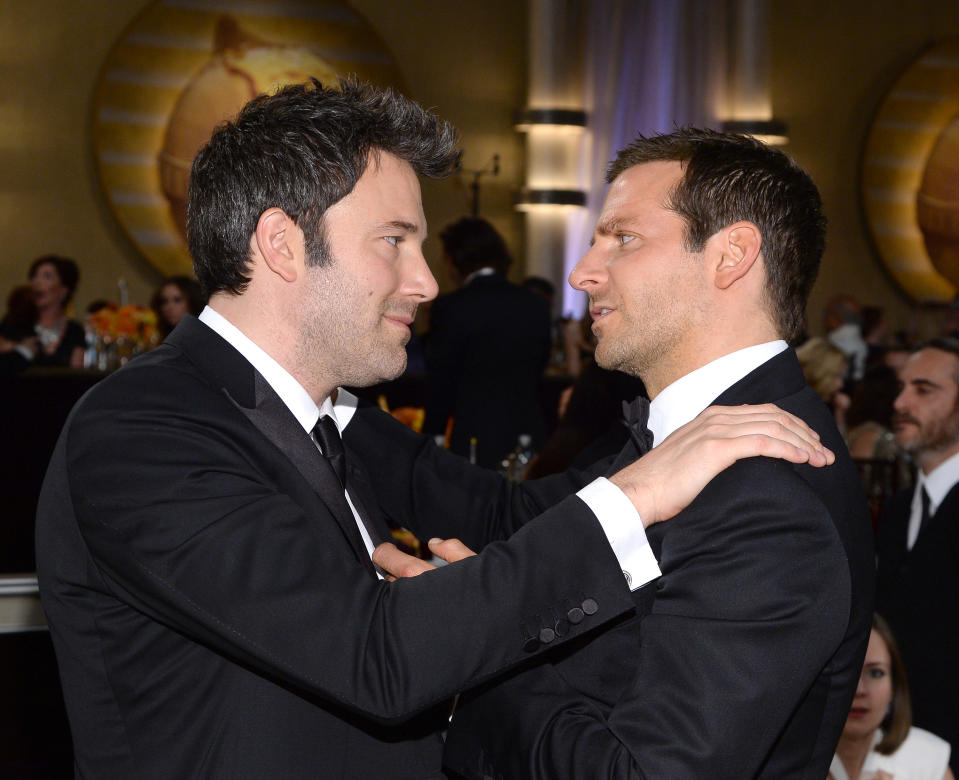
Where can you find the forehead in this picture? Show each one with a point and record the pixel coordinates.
(387, 179)
(641, 189)
(934, 364)
(877, 652)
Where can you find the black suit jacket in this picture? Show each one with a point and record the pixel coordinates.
(214, 613)
(917, 591)
(740, 661)
(488, 345)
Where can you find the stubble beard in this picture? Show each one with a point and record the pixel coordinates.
(332, 343)
(937, 439)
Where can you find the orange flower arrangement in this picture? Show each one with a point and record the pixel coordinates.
(135, 323)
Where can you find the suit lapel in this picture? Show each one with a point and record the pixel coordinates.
(252, 395)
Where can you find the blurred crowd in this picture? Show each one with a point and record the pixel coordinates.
(40, 327)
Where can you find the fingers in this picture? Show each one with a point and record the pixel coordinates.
(450, 550)
(399, 564)
(768, 420)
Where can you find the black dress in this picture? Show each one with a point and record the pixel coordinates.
(73, 336)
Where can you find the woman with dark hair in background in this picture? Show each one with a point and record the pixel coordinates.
(178, 295)
(879, 741)
(62, 341)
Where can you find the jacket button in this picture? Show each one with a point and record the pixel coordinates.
(546, 635)
(531, 645)
(590, 607)
(562, 627)
(575, 615)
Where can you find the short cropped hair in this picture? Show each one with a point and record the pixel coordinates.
(301, 149)
(943, 344)
(728, 177)
(67, 270)
(473, 243)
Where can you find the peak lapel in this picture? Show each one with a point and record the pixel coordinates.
(275, 421)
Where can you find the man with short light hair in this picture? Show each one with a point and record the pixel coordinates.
(917, 584)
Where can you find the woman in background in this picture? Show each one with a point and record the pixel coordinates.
(62, 341)
(178, 295)
(879, 741)
(824, 367)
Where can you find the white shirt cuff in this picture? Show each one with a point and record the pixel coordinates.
(624, 530)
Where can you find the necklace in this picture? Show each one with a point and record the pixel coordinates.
(48, 336)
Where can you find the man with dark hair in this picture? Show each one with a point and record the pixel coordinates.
(917, 583)
(741, 660)
(488, 345)
(203, 544)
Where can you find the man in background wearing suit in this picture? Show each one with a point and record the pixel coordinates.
(488, 345)
(203, 543)
(741, 660)
(917, 584)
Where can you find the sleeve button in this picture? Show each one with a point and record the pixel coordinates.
(590, 607)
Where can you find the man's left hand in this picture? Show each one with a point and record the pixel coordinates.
(398, 564)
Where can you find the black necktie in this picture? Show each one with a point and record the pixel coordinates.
(328, 437)
(637, 417)
(924, 517)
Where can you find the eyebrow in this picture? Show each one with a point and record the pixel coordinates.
(400, 225)
(612, 225)
(920, 382)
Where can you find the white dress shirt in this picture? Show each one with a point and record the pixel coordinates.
(937, 483)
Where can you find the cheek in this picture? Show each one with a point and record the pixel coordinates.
(882, 695)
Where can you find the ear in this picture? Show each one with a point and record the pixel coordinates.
(275, 238)
(739, 245)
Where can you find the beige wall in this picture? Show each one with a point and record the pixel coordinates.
(465, 59)
(832, 63)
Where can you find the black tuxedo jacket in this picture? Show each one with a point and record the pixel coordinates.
(917, 591)
(740, 661)
(214, 612)
(488, 345)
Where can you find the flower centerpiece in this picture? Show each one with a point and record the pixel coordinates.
(120, 333)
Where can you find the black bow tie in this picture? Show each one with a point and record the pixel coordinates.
(637, 417)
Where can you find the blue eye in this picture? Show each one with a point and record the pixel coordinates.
(394, 240)
(625, 238)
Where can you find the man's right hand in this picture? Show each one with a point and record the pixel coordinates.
(667, 478)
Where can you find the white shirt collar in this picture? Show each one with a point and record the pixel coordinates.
(290, 391)
(940, 481)
(486, 270)
(681, 401)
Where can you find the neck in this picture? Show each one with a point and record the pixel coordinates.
(679, 363)
(930, 460)
(271, 331)
(49, 316)
(852, 751)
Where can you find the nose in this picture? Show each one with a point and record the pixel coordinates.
(420, 282)
(589, 272)
(901, 402)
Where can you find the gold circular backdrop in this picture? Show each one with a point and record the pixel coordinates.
(183, 66)
(910, 177)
